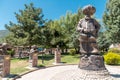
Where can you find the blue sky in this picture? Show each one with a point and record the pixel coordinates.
(52, 9)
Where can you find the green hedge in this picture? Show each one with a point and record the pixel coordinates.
(114, 50)
(112, 58)
(72, 51)
(11, 52)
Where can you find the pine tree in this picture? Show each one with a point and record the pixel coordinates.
(111, 19)
(29, 24)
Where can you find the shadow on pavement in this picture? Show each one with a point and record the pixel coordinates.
(115, 75)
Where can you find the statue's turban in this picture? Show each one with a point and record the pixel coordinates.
(89, 10)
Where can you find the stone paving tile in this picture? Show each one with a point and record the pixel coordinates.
(49, 73)
(79, 74)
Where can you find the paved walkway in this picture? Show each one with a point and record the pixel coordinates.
(48, 73)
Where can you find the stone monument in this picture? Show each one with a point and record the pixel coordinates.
(91, 66)
(4, 60)
(57, 56)
(88, 29)
(3, 49)
(33, 56)
(4, 65)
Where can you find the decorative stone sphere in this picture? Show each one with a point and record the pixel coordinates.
(88, 10)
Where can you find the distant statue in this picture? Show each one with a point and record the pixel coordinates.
(88, 29)
(32, 51)
(3, 49)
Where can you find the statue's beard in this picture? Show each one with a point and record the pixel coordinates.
(87, 17)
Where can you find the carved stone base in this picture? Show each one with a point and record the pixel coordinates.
(90, 68)
(92, 62)
(80, 74)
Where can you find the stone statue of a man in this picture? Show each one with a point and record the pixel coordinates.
(3, 48)
(88, 28)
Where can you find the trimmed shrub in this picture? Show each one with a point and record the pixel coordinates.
(114, 50)
(11, 52)
(112, 58)
(72, 51)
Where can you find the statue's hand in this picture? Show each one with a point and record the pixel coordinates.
(86, 30)
(80, 29)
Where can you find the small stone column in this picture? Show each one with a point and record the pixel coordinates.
(33, 56)
(33, 59)
(4, 65)
(57, 56)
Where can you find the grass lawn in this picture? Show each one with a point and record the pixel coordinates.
(18, 66)
(70, 59)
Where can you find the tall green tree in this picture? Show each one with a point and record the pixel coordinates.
(29, 24)
(68, 26)
(75, 35)
(103, 42)
(47, 35)
(111, 19)
(61, 32)
(69, 23)
(56, 33)
(52, 32)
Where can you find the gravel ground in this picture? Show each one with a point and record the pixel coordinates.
(48, 73)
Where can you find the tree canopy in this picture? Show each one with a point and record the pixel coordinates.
(111, 19)
(31, 28)
(61, 32)
(27, 29)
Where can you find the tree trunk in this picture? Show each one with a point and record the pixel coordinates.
(66, 50)
(62, 50)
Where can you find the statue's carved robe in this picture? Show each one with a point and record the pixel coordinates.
(88, 29)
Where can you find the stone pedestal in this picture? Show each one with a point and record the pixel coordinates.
(57, 57)
(92, 62)
(80, 74)
(90, 68)
(33, 60)
(4, 65)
